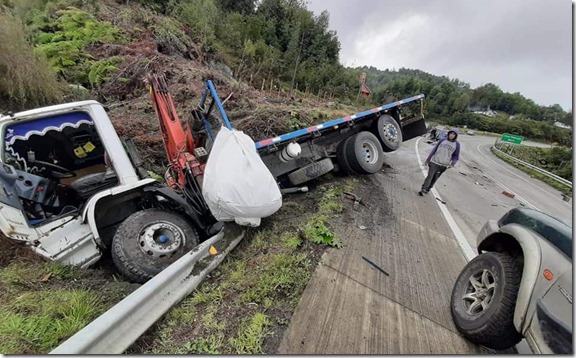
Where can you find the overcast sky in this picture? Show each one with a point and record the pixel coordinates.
(520, 45)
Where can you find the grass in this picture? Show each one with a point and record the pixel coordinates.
(251, 335)
(41, 319)
(44, 303)
(534, 174)
(250, 297)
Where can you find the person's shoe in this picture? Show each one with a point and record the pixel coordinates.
(420, 193)
(425, 191)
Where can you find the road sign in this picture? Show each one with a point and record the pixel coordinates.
(511, 138)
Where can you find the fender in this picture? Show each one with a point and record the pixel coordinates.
(89, 209)
(532, 253)
(172, 196)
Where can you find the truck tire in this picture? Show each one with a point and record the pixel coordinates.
(484, 298)
(388, 132)
(343, 164)
(150, 240)
(311, 171)
(364, 153)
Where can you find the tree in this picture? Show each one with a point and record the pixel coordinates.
(244, 7)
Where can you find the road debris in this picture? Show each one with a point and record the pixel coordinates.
(494, 204)
(440, 200)
(357, 200)
(376, 266)
(511, 195)
(476, 182)
(303, 189)
(463, 173)
(362, 227)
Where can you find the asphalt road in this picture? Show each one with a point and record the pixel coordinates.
(473, 189)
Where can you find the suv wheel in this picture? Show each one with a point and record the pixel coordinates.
(484, 299)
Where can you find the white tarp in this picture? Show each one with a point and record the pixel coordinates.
(237, 185)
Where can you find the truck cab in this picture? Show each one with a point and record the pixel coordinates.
(54, 160)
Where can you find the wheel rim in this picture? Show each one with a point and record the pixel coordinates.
(369, 151)
(161, 239)
(390, 132)
(479, 292)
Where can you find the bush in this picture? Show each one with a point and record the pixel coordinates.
(25, 76)
(63, 37)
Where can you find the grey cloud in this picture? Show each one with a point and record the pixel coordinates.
(521, 45)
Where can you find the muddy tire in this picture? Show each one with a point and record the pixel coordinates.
(364, 153)
(343, 164)
(388, 132)
(150, 240)
(484, 298)
(311, 171)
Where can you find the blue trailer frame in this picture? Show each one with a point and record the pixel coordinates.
(357, 117)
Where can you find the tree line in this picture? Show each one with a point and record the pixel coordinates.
(276, 44)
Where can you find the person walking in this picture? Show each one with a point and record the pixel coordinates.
(444, 155)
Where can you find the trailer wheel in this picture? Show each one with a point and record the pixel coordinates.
(389, 132)
(343, 164)
(150, 240)
(364, 153)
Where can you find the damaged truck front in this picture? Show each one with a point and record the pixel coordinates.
(72, 189)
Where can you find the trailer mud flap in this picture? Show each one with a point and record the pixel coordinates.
(413, 128)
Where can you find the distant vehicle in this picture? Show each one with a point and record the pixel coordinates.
(437, 134)
(470, 132)
(520, 286)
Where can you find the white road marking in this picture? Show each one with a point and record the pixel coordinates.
(515, 174)
(460, 238)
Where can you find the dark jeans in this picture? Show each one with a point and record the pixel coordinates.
(434, 172)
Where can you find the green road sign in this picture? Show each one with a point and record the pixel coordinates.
(511, 138)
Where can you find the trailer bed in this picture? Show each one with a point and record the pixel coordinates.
(334, 122)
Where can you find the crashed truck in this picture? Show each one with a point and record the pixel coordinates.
(73, 190)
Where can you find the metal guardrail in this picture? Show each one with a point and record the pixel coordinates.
(533, 167)
(115, 330)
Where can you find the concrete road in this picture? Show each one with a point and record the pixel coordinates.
(350, 307)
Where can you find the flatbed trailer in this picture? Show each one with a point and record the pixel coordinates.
(353, 144)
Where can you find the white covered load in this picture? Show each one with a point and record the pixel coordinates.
(237, 185)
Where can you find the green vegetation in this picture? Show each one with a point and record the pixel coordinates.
(63, 36)
(277, 45)
(25, 77)
(251, 335)
(43, 303)
(563, 170)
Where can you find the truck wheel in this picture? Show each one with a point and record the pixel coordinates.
(484, 298)
(389, 132)
(343, 164)
(311, 171)
(364, 153)
(150, 240)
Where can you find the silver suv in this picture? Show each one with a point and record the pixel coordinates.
(520, 286)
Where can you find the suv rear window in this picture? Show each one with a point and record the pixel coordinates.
(553, 230)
